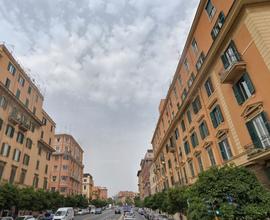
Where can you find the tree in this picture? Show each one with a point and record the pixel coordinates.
(232, 192)
(138, 202)
(177, 200)
(129, 201)
(9, 196)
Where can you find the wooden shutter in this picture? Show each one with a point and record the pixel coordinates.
(220, 113)
(213, 119)
(266, 122)
(222, 151)
(249, 83)
(232, 45)
(237, 94)
(225, 61)
(253, 134)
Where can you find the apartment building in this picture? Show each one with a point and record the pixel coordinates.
(124, 196)
(100, 192)
(217, 108)
(67, 165)
(87, 185)
(26, 130)
(144, 174)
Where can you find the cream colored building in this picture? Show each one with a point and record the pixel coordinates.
(26, 130)
(87, 185)
(217, 108)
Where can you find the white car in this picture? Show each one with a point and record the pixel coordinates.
(65, 213)
(25, 217)
(129, 216)
(93, 211)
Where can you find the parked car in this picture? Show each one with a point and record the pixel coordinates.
(117, 211)
(25, 217)
(141, 211)
(98, 211)
(48, 215)
(93, 210)
(65, 213)
(7, 218)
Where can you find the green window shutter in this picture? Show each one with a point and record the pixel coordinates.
(220, 113)
(222, 151)
(266, 122)
(213, 119)
(232, 44)
(225, 61)
(194, 106)
(238, 94)
(201, 131)
(249, 83)
(253, 134)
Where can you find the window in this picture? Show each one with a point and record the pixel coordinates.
(194, 139)
(183, 126)
(243, 89)
(29, 143)
(216, 116)
(210, 9)
(12, 174)
(7, 83)
(64, 178)
(5, 150)
(18, 93)
(45, 183)
(51, 128)
(209, 86)
(35, 181)
(3, 102)
(46, 169)
(200, 61)
(29, 90)
(20, 137)
(189, 116)
(176, 132)
(55, 167)
(196, 105)
(2, 167)
(203, 130)
(22, 176)
(191, 80)
(48, 156)
(211, 156)
(169, 164)
(194, 46)
(10, 131)
(37, 165)
(27, 103)
(84, 187)
(179, 78)
(16, 155)
(44, 121)
(1, 124)
(39, 150)
(186, 65)
(34, 110)
(199, 159)
(175, 93)
(230, 56)
(217, 27)
(191, 168)
(53, 178)
(26, 159)
(184, 94)
(42, 135)
(65, 167)
(21, 80)
(63, 189)
(11, 68)
(187, 148)
(66, 157)
(225, 149)
(259, 130)
(50, 141)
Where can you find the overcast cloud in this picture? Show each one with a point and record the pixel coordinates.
(103, 66)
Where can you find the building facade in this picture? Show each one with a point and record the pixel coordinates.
(26, 130)
(100, 192)
(144, 174)
(87, 185)
(124, 196)
(67, 165)
(217, 108)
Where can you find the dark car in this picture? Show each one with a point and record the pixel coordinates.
(98, 211)
(48, 216)
(117, 211)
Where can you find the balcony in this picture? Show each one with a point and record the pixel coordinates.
(232, 72)
(24, 126)
(14, 118)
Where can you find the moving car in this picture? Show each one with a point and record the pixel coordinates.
(98, 211)
(117, 211)
(65, 213)
(129, 216)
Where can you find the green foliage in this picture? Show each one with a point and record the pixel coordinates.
(138, 202)
(36, 200)
(129, 201)
(98, 203)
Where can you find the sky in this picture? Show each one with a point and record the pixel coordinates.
(103, 66)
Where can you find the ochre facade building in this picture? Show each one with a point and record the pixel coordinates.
(87, 185)
(26, 130)
(217, 108)
(67, 165)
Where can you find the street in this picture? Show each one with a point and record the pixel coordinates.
(106, 215)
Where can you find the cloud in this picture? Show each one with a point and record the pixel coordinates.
(114, 59)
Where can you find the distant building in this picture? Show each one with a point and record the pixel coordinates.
(124, 196)
(144, 174)
(26, 130)
(100, 193)
(87, 185)
(67, 166)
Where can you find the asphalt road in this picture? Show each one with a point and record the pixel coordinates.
(106, 215)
